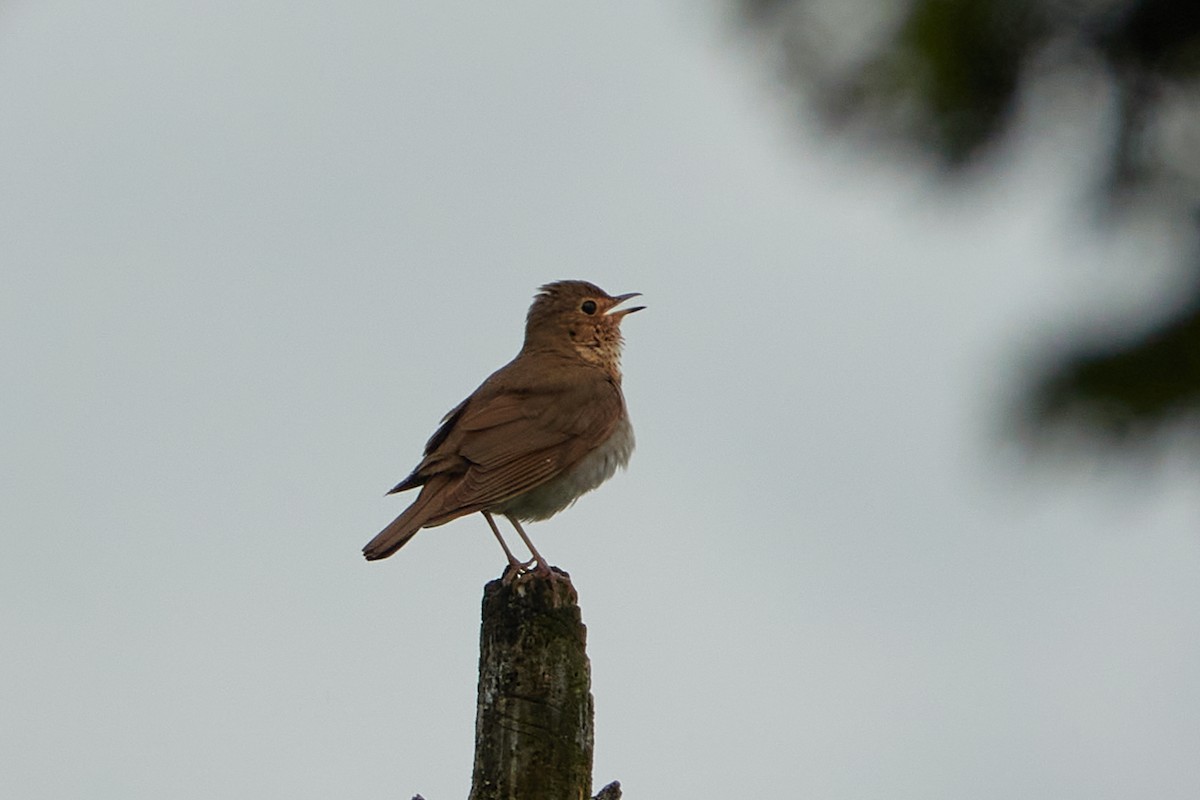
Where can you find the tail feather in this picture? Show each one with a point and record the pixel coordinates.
(399, 531)
(435, 505)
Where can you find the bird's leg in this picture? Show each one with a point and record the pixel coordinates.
(542, 567)
(514, 563)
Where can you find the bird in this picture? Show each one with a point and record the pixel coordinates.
(544, 429)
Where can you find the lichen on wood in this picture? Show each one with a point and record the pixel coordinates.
(533, 727)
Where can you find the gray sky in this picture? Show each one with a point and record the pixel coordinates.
(252, 252)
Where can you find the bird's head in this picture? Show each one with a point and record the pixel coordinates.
(581, 317)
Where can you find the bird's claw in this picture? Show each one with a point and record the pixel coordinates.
(521, 571)
(516, 569)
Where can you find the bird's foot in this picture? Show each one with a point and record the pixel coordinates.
(518, 570)
(531, 570)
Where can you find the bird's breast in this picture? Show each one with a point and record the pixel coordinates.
(564, 489)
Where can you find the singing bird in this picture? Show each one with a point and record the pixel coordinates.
(540, 432)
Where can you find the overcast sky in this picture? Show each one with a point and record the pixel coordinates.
(252, 252)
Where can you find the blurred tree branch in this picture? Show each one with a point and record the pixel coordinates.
(947, 76)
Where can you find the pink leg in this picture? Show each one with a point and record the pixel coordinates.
(516, 565)
(542, 567)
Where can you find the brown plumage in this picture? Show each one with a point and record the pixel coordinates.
(539, 432)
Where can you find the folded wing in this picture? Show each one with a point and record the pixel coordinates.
(501, 442)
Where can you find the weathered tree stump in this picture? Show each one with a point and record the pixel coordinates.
(533, 724)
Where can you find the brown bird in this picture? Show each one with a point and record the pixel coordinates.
(542, 430)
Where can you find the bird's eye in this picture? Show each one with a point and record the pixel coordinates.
(589, 306)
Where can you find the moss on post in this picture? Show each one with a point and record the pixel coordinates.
(533, 724)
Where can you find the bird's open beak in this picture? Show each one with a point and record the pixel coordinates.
(621, 298)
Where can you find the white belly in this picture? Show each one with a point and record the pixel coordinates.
(563, 490)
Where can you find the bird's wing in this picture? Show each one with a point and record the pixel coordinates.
(438, 459)
(508, 441)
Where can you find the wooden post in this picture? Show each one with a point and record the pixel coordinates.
(533, 723)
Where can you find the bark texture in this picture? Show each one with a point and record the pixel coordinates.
(533, 724)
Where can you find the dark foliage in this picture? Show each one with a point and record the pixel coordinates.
(946, 76)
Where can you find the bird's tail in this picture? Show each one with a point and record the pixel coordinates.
(400, 530)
